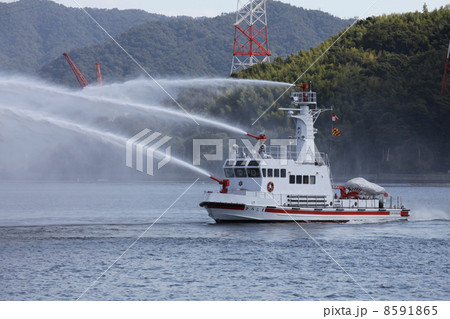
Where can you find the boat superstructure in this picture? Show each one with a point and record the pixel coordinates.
(293, 182)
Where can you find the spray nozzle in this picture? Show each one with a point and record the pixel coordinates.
(258, 137)
(304, 86)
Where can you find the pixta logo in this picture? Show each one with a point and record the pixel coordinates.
(212, 150)
(148, 142)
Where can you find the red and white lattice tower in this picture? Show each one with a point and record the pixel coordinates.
(251, 42)
(446, 80)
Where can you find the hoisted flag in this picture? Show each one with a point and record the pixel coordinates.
(336, 132)
(334, 118)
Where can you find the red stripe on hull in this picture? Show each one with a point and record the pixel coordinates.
(334, 213)
(226, 207)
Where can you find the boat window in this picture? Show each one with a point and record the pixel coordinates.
(283, 172)
(305, 179)
(240, 172)
(291, 179)
(264, 172)
(229, 163)
(312, 179)
(298, 179)
(253, 163)
(253, 172)
(269, 172)
(229, 172)
(276, 172)
(240, 163)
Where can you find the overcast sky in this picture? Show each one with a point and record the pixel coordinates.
(341, 8)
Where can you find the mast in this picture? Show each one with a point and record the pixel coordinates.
(304, 110)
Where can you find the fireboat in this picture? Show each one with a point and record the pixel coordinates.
(294, 183)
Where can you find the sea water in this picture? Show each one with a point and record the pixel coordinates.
(57, 238)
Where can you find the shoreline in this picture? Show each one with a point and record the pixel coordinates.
(429, 179)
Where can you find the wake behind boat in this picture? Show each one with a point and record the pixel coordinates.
(293, 182)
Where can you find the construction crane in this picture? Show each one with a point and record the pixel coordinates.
(78, 75)
(99, 74)
(83, 82)
(251, 42)
(446, 81)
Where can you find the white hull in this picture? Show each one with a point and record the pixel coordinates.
(264, 207)
(222, 212)
(278, 185)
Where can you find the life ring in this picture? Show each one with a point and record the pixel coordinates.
(270, 187)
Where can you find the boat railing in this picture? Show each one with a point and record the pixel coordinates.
(278, 198)
(395, 202)
(276, 152)
(322, 158)
(357, 203)
(366, 203)
(309, 201)
(303, 97)
(316, 201)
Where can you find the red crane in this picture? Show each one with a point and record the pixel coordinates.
(446, 81)
(77, 73)
(99, 74)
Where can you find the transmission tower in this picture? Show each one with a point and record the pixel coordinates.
(251, 42)
(446, 80)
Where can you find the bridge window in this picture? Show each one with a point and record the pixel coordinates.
(305, 179)
(240, 172)
(253, 172)
(276, 172)
(283, 172)
(229, 163)
(291, 179)
(269, 172)
(229, 172)
(298, 179)
(240, 163)
(312, 179)
(253, 163)
(264, 172)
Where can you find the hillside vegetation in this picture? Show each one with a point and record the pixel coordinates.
(34, 32)
(193, 47)
(383, 78)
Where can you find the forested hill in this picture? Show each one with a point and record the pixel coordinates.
(34, 32)
(383, 78)
(194, 47)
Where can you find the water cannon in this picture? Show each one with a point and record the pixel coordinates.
(262, 137)
(304, 86)
(225, 183)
